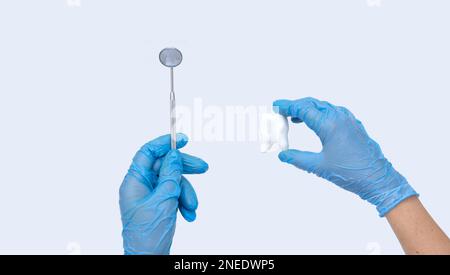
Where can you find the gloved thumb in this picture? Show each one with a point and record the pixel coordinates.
(169, 182)
(307, 161)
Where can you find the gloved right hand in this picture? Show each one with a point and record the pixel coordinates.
(349, 158)
(153, 191)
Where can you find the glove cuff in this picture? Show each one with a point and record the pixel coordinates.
(390, 199)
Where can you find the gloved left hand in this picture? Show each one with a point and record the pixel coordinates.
(152, 192)
(349, 157)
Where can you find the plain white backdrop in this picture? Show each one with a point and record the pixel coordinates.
(81, 89)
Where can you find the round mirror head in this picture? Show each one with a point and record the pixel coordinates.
(170, 57)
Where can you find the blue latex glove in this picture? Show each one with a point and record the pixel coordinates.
(152, 192)
(349, 158)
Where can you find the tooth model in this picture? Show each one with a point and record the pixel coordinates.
(273, 133)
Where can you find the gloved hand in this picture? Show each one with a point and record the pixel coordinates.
(152, 192)
(349, 158)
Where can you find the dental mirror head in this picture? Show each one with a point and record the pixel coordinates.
(170, 57)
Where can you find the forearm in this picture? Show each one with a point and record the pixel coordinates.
(416, 230)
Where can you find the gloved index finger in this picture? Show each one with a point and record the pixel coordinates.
(308, 110)
(295, 108)
(152, 150)
(191, 164)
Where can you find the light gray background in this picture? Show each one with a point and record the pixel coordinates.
(81, 90)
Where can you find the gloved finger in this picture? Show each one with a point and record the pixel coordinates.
(169, 181)
(296, 120)
(307, 161)
(188, 201)
(188, 197)
(155, 149)
(309, 110)
(188, 215)
(292, 108)
(191, 164)
(147, 155)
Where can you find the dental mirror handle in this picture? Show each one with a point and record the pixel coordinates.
(173, 120)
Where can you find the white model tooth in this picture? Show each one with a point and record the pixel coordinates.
(273, 133)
